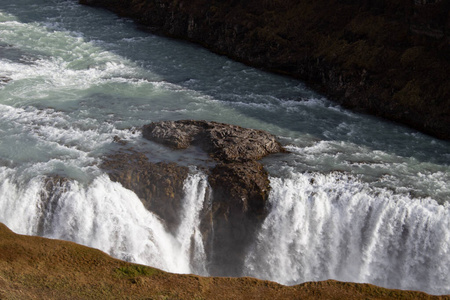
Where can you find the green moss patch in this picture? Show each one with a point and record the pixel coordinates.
(131, 271)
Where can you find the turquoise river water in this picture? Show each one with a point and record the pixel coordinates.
(356, 199)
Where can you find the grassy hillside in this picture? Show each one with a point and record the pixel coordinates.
(39, 268)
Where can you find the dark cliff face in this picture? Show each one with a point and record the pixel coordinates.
(388, 58)
(158, 185)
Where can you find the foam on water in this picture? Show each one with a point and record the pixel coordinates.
(61, 66)
(37, 142)
(405, 175)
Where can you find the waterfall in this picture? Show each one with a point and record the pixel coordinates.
(188, 233)
(106, 216)
(336, 227)
(74, 87)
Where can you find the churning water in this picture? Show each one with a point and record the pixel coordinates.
(356, 198)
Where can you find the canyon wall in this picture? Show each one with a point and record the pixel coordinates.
(387, 58)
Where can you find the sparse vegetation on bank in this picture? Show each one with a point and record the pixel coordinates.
(39, 268)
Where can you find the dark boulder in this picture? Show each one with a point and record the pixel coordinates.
(158, 185)
(244, 187)
(223, 142)
(175, 134)
(240, 192)
(240, 185)
(4, 80)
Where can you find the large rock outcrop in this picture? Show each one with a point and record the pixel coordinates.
(240, 185)
(223, 142)
(388, 58)
(158, 185)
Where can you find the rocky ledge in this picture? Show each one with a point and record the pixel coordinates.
(239, 182)
(240, 185)
(388, 58)
(158, 185)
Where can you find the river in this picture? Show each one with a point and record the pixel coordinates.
(355, 199)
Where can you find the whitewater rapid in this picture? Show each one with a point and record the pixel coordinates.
(356, 198)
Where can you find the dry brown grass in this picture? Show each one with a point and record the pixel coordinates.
(39, 268)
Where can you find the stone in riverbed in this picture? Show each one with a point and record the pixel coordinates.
(238, 180)
(4, 80)
(240, 185)
(240, 192)
(223, 142)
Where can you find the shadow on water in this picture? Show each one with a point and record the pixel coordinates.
(284, 103)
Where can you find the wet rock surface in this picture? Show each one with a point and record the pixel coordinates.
(55, 186)
(4, 80)
(245, 184)
(238, 180)
(158, 185)
(240, 185)
(223, 142)
(240, 193)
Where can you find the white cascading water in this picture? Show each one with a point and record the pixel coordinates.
(188, 233)
(334, 226)
(74, 87)
(106, 216)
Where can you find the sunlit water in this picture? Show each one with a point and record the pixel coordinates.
(356, 198)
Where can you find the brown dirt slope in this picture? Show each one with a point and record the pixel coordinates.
(388, 58)
(39, 268)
